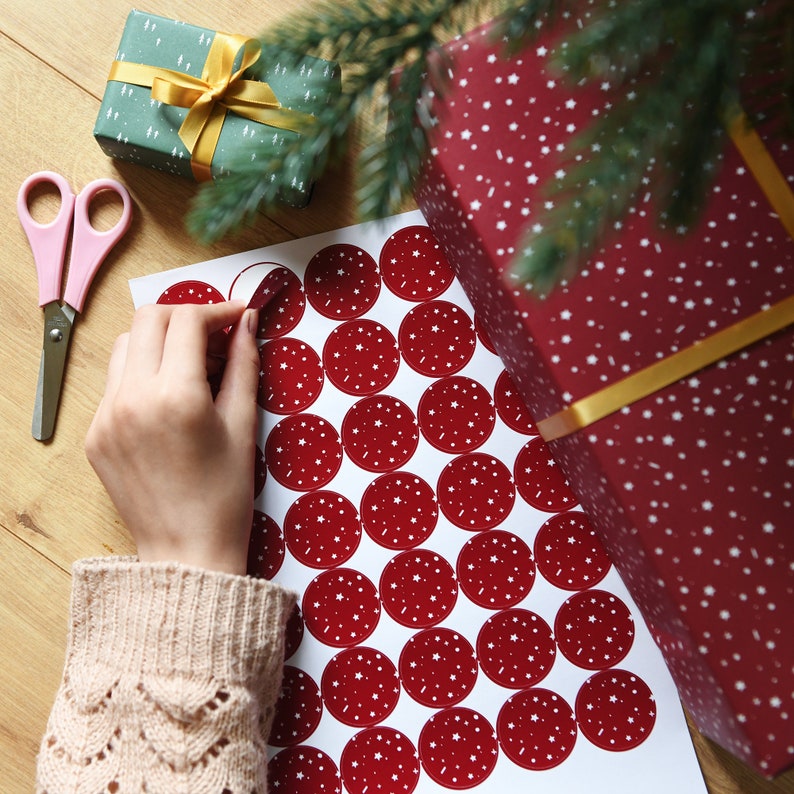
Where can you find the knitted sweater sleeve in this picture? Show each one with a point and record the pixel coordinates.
(170, 681)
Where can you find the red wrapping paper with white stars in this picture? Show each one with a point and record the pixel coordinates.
(690, 489)
(460, 626)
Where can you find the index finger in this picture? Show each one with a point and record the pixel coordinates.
(187, 338)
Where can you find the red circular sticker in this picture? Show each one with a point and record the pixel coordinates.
(190, 292)
(476, 491)
(278, 294)
(360, 686)
(437, 338)
(268, 287)
(380, 761)
(322, 529)
(516, 648)
(291, 376)
(342, 281)
(260, 472)
(438, 667)
(540, 483)
(510, 406)
(536, 729)
(298, 711)
(279, 297)
(361, 357)
(594, 629)
(399, 510)
(341, 607)
(293, 633)
(418, 588)
(413, 265)
(303, 770)
(569, 553)
(495, 569)
(615, 710)
(266, 547)
(379, 433)
(483, 335)
(456, 414)
(303, 452)
(458, 748)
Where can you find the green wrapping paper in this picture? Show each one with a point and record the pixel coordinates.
(132, 126)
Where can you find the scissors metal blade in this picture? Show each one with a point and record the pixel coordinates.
(58, 321)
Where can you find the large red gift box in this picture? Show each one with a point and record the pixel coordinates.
(690, 488)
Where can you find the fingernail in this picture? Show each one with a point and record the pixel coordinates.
(252, 321)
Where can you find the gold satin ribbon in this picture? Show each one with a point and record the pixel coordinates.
(669, 370)
(713, 348)
(209, 98)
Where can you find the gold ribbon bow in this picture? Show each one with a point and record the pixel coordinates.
(704, 352)
(209, 98)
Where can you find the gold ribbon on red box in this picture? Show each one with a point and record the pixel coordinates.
(220, 89)
(713, 348)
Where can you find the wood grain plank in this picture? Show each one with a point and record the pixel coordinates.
(80, 39)
(34, 598)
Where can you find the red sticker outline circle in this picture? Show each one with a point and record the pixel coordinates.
(371, 676)
(316, 605)
(418, 588)
(566, 546)
(339, 274)
(317, 442)
(304, 770)
(456, 414)
(509, 565)
(610, 704)
(399, 510)
(446, 354)
(541, 716)
(487, 506)
(516, 648)
(436, 658)
(449, 757)
(380, 433)
(322, 529)
(594, 629)
(396, 766)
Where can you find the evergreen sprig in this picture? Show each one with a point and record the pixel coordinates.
(663, 135)
(678, 67)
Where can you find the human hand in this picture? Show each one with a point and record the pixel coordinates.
(178, 465)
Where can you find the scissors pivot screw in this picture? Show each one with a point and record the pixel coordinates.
(56, 335)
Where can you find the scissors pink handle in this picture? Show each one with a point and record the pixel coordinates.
(47, 240)
(89, 246)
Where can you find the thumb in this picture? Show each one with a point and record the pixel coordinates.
(236, 400)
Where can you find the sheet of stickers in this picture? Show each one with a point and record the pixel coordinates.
(460, 626)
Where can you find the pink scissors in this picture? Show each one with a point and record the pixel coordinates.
(89, 249)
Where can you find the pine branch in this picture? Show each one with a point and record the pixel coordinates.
(399, 152)
(678, 67)
(768, 44)
(237, 198)
(370, 41)
(662, 136)
(520, 21)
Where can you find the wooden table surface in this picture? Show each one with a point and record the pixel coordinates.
(54, 60)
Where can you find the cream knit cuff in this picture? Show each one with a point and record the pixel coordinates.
(173, 620)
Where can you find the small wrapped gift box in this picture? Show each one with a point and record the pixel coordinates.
(691, 486)
(178, 99)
